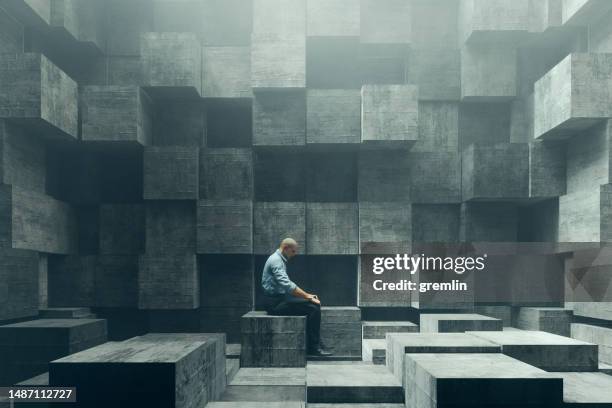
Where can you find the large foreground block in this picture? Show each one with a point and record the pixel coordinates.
(332, 229)
(115, 114)
(27, 347)
(224, 227)
(35, 92)
(278, 61)
(554, 320)
(333, 116)
(457, 323)
(341, 330)
(178, 370)
(384, 228)
(273, 222)
(547, 351)
(273, 341)
(226, 72)
(156, 271)
(171, 173)
(468, 380)
(573, 96)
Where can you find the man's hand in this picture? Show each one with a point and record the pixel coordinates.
(314, 299)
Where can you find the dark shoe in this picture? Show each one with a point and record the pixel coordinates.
(320, 352)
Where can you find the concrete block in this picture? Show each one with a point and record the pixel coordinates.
(580, 12)
(170, 227)
(279, 17)
(582, 216)
(79, 20)
(121, 229)
(597, 335)
(547, 170)
(226, 72)
(332, 228)
(125, 24)
(278, 387)
(374, 350)
(334, 179)
(224, 227)
(65, 313)
(351, 383)
(504, 313)
(389, 114)
(122, 70)
(592, 148)
(22, 158)
(383, 64)
(483, 124)
(435, 223)
(322, 18)
(18, 283)
(331, 63)
(586, 389)
(11, 34)
(488, 222)
(494, 21)
(272, 222)
(226, 174)
(171, 173)
(323, 274)
(458, 323)
(71, 280)
(495, 172)
(27, 347)
(181, 370)
(433, 380)
(156, 271)
(573, 96)
(435, 177)
(594, 310)
(554, 320)
(438, 127)
(272, 185)
(278, 61)
(386, 22)
(31, 89)
(378, 330)
(279, 120)
(172, 62)
(547, 351)
(227, 282)
(273, 341)
(437, 72)
(333, 116)
(229, 122)
(341, 330)
(180, 123)
(115, 114)
(384, 176)
(488, 73)
(227, 23)
(116, 281)
(384, 228)
(434, 23)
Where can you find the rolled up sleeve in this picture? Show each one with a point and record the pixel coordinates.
(282, 279)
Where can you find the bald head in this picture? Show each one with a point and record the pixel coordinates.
(289, 247)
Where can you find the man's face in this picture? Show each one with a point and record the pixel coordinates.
(290, 251)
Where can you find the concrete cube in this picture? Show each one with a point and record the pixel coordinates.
(181, 123)
(31, 90)
(156, 271)
(488, 222)
(435, 223)
(573, 96)
(172, 62)
(384, 176)
(266, 386)
(79, 20)
(18, 283)
(23, 158)
(333, 63)
(457, 323)
(594, 310)
(435, 177)
(494, 21)
(334, 179)
(373, 350)
(273, 222)
(272, 185)
(278, 61)
(226, 174)
(224, 227)
(602, 336)
(333, 116)
(437, 72)
(554, 320)
(226, 72)
(488, 73)
(434, 23)
(273, 341)
(384, 228)
(582, 215)
(389, 114)
(279, 119)
(115, 281)
(279, 17)
(386, 22)
(547, 170)
(484, 124)
(71, 280)
(323, 18)
(377, 330)
(341, 330)
(121, 229)
(171, 173)
(332, 228)
(438, 127)
(115, 114)
(170, 227)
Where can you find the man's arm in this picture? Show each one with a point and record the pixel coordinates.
(290, 287)
(298, 292)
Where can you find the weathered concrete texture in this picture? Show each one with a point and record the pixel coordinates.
(437, 72)
(584, 389)
(547, 351)
(383, 63)
(80, 20)
(573, 96)
(170, 227)
(547, 170)
(224, 227)
(125, 24)
(438, 127)
(121, 229)
(272, 185)
(279, 17)
(461, 379)
(273, 341)
(22, 158)
(173, 62)
(181, 370)
(226, 174)
(226, 72)
(483, 124)
(341, 330)
(495, 172)
(18, 283)
(391, 166)
(488, 222)
(333, 116)
(384, 228)
(115, 281)
(179, 124)
(457, 323)
(588, 159)
(37, 93)
(435, 223)
(350, 383)
(278, 61)
(227, 23)
(554, 320)
(156, 271)
(600, 35)
(386, 22)
(504, 313)
(594, 310)
(545, 15)
(389, 113)
(333, 179)
(324, 274)
(434, 23)
(379, 330)
(115, 114)
(332, 229)
(581, 12)
(322, 18)
(71, 281)
(602, 336)
(229, 122)
(171, 173)
(11, 34)
(27, 347)
(273, 222)
(496, 21)
(582, 215)
(435, 177)
(279, 119)
(252, 386)
(488, 73)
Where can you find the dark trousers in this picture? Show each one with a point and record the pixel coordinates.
(279, 306)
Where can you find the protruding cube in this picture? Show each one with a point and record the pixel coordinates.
(573, 96)
(323, 18)
(332, 229)
(226, 72)
(278, 61)
(154, 274)
(171, 173)
(35, 92)
(333, 116)
(386, 22)
(385, 228)
(389, 114)
(225, 227)
(488, 73)
(494, 21)
(279, 119)
(273, 222)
